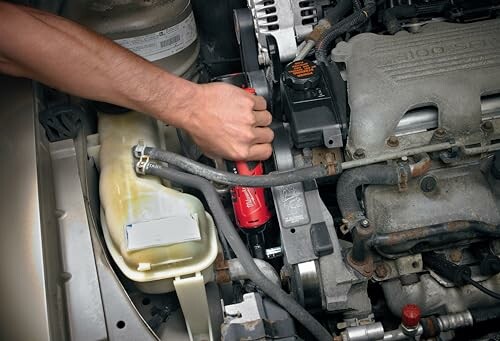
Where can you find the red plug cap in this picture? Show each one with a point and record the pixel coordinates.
(410, 316)
(251, 91)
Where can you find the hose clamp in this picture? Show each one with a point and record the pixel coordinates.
(139, 149)
(142, 165)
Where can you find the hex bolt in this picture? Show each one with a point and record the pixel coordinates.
(487, 126)
(359, 153)
(381, 270)
(365, 223)
(393, 141)
(455, 255)
(428, 184)
(440, 133)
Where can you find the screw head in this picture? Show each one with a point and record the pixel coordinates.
(365, 223)
(393, 141)
(359, 153)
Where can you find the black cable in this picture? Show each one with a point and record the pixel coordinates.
(458, 274)
(482, 288)
(228, 178)
(230, 233)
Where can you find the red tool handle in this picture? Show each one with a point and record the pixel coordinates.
(249, 203)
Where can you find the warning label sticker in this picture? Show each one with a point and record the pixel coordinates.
(301, 69)
(164, 43)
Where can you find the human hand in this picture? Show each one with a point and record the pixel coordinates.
(228, 122)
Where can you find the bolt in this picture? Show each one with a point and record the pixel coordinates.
(428, 184)
(382, 271)
(393, 141)
(404, 158)
(487, 126)
(359, 153)
(440, 132)
(455, 255)
(65, 276)
(365, 223)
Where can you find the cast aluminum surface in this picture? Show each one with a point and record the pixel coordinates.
(446, 65)
(434, 298)
(462, 193)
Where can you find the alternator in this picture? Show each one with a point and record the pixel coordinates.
(287, 20)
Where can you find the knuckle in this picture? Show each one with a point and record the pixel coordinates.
(241, 154)
(247, 136)
(269, 118)
(248, 102)
(268, 151)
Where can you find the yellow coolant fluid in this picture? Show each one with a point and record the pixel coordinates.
(160, 238)
(153, 232)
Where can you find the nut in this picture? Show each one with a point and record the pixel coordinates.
(487, 126)
(359, 153)
(440, 133)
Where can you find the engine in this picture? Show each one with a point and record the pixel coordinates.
(396, 107)
(406, 110)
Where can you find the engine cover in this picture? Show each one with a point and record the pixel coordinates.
(447, 65)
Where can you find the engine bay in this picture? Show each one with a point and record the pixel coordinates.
(376, 218)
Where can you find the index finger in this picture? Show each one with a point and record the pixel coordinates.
(259, 103)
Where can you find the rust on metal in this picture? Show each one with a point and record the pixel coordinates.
(382, 270)
(331, 159)
(366, 268)
(221, 270)
(422, 166)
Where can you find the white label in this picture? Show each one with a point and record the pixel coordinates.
(164, 43)
(162, 232)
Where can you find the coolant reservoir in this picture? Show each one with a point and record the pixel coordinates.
(161, 31)
(155, 234)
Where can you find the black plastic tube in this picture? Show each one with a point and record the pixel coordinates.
(268, 180)
(350, 180)
(230, 233)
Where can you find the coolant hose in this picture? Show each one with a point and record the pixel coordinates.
(210, 173)
(348, 24)
(339, 11)
(230, 233)
(392, 15)
(350, 180)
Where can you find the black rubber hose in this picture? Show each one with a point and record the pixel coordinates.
(239, 248)
(485, 313)
(339, 11)
(350, 180)
(346, 25)
(268, 180)
(392, 15)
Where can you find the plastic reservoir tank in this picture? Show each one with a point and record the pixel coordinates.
(161, 31)
(160, 238)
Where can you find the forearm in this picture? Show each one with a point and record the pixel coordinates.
(66, 56)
